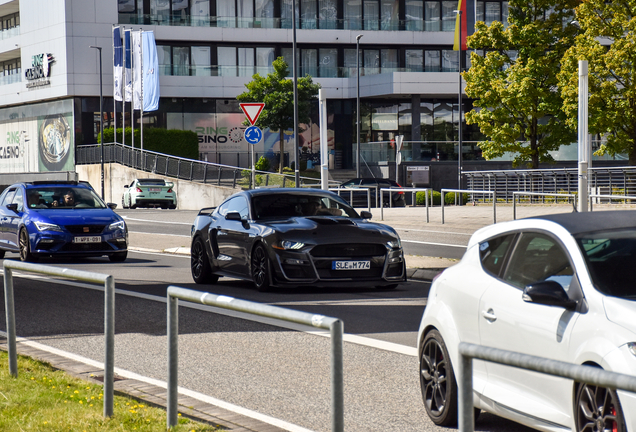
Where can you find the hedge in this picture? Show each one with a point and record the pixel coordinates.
(172, 142)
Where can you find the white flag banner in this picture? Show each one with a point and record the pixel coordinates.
(118, 58)
(136, 70)
(127, 67)
(150, 72)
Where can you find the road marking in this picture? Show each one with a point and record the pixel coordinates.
(156, 221)
(171, 235)
(434, 244)
(431, 231)
(196, 395)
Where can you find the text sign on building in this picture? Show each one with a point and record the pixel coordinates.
(40, 71)
(418, 175)
(252, 110)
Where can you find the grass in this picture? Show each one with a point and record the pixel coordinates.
(44, 399)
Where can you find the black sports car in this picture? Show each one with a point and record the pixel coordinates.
(294, 237)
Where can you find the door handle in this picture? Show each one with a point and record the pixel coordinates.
(489, 315)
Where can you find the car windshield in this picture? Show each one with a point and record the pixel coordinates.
(63, 198)
(610, 258)
(276, 206)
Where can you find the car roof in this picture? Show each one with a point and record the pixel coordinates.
(577, 223)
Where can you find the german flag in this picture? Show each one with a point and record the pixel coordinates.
(468, 22)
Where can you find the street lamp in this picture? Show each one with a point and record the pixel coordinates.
(358, 104)
(101, 114)
(459, 107)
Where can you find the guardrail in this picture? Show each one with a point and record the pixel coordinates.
(579, 373)
(494, 200)
(610, 197)
(334, 325)
(516, 194)
(413, 198)
(109, 317)
(357, 190)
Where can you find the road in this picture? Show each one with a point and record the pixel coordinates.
(266, 368)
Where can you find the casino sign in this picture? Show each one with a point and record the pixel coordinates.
(40, 71)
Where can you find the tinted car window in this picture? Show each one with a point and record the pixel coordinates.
(8, 198)
(282, 205)
(238, 204)
(536, 258)
(493, 252)
(18, 199)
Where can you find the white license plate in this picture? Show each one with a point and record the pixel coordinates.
(154, 189)
(350, 265)
(87, 239)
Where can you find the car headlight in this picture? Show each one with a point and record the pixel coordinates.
(631, 346)
(289, 245)
(120, 225)
(43, 226)
(394, 244)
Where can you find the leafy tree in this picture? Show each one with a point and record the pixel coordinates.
(608, 42)
(514, 85)
(277, 92)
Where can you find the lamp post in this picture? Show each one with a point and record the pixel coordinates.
(101, 114)
(459, 108)
(295, 75)
(358, 105)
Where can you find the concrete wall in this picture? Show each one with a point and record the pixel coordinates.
(190, 195)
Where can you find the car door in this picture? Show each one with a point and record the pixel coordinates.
(12, 224)
(233, 236)
(5, 214)
(508, 322)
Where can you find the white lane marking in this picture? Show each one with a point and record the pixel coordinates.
(171, 235)
(434, 244)
(196, 395)
(156, 221)
(431, 231)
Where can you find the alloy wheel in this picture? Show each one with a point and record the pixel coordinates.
(598, 410)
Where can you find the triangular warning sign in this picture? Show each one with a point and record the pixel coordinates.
(252, 110)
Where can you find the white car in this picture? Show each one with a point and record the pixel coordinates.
(560, 287)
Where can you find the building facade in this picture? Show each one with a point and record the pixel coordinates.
(209, 49)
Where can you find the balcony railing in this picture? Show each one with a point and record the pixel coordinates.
(9, 33)
(446, 24)
(10, 79)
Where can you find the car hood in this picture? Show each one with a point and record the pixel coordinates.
(78, 216)
(333, 227)
(621, 312)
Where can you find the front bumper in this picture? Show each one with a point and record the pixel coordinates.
(49, 243)
(313, 267)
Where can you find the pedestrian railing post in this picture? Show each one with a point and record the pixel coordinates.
(109, 363)
(337, 376)
(173, 360)
(10, 310)
(466, 413)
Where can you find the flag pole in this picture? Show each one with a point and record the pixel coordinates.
(123, 92)
(141, 77)
(114, 101)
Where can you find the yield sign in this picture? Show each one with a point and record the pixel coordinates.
(252, 110)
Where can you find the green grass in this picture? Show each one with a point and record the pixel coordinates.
(44, 399)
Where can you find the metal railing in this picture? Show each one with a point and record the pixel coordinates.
(531, 194)
(334, 325)
(182, 168)
(109, 317)
(356, 191)
(579, 373)
(609, 198)
(485, 192)
(601, 180)
(413, 198)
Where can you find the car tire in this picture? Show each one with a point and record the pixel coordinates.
(200, 264)
(173, 206)
(261, 269)
(118, 257)
(598, 405)
(25, 247)
(437, 381)
(123, 202)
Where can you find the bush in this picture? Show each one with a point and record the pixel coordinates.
(172, 142)
(437, 198)
(262, 164)
(449, 198)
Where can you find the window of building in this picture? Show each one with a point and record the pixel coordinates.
(450, 61)
(414, 15)
(432, 16)
(201, 65)
(389, 19)
(414, 60)
(371, 62)
(448, 15)
(164, 59)
(264, 15)
(389, 60)
(180, 60)
(309, 62)
(328, 14)
(264, 59)
(371, 14)
(200, 12)
(328, 62)
(245, 61)
(432, 61)
(352, 14)
(490, 11)
(308, 14)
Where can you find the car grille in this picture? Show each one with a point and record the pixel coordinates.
(86, 247)
(346, 250)
(79, 229)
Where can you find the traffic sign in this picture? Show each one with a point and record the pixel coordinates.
(253, 134)
(252, 110)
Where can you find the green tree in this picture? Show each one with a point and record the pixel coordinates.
(608, 42)
(277, 92)
(518, 106)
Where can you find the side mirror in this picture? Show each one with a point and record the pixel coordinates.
(126, 186)
(366, 214)
(112, 206)
(233, 215)
(549, 293)
(13, 207)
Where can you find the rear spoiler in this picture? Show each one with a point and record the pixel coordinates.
(170, 184)
(206, 210)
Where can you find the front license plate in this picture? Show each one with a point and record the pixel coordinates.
(87, 239)
(350, 265)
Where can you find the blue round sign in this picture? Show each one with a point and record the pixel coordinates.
(253, 134)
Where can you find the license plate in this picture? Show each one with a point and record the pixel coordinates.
(154, 189)
(350, 265)
(87, 239)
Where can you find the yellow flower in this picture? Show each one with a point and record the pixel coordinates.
(92, 397)
(75, 392)
(32, 378)
(81, 402)
(53, 387)
(91, 405)
(45, 422)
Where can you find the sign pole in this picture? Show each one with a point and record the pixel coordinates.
(253, 134)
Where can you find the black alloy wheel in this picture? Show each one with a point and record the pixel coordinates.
(25, 247)
(437, 381)
(200, 264)
(598, 409)
(260, 268)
